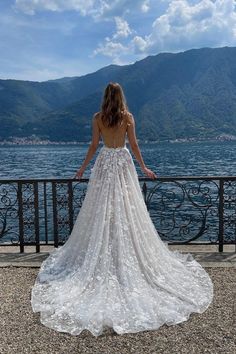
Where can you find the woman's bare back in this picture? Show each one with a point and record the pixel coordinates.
(114, 136)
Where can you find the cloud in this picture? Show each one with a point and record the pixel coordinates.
(124, 7)
(118, 31)
(96, 8)
(112, 47)
(122, 28)
(185, 25)
(145, 6)
(182, 25)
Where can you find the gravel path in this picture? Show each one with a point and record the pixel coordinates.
(21, 332)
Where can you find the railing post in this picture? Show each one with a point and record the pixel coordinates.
(21, 218)
(221, 215)
(54, 206)
(70, 205)
(36, 216)
(144, 189)
(45, 211)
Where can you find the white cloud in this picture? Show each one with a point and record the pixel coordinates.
(109, 9)
(141, 27)
(140, 43)
(145, 6)
(96, 8)
(122, 28)
(111, 49)
(185, 25)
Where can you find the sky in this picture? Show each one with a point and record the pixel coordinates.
(42, 40)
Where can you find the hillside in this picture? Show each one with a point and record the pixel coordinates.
(183, 95)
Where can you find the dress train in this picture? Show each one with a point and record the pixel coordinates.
(114, 270)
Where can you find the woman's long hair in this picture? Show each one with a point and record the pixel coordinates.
(113, 105)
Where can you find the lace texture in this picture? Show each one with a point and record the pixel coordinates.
(114, 270)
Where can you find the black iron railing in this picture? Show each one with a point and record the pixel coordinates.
(184, 210)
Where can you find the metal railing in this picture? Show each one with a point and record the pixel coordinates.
(184, 210)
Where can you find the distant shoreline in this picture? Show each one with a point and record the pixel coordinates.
(27, 141)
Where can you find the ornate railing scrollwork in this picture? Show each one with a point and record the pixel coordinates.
(8, 212)
(184, 210)
(181, 210)
(230, 211)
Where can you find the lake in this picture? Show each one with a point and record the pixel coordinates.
(166, 159)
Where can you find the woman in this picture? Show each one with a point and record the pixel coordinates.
(112, 123)
(114, 270)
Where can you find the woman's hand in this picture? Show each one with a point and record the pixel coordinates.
(149, 173)
(79, 172)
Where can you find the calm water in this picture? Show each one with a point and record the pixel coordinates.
(166, 159)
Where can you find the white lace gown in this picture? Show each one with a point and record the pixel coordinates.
(114, 270)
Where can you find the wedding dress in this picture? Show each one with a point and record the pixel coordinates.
(114, 270)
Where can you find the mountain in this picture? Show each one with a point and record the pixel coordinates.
(191, 94)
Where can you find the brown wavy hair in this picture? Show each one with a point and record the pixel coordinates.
(113, 105)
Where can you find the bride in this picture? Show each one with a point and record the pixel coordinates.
(114, 270)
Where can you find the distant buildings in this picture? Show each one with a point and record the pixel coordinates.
(35, 140)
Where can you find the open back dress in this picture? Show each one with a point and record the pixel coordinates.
(114, 270)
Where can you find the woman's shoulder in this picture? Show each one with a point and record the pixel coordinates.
(97, 118)
(129, 117)
(97, 115)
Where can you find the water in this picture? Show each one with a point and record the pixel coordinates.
(176, 209)
(165, 159)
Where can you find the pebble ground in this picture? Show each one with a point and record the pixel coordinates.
(21, 332)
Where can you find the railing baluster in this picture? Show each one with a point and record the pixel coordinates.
(221, 215)
(36, 216)
(70, 205)
(54, 207)
(20, 215)
(144, 189)
(45, 211)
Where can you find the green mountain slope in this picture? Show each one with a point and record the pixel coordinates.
(183, 95)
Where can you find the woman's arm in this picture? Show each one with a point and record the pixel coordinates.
(92, 147)
(135, 148)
